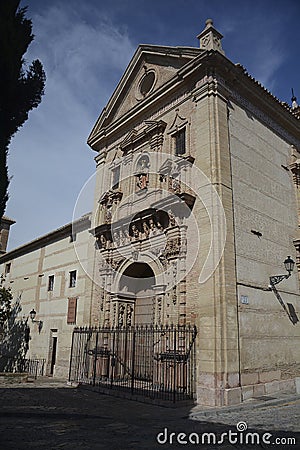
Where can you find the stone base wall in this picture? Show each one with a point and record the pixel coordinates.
(7, 378)
(218, 396)
(258, 383)
(285, 380)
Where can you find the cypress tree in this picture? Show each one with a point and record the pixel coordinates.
(21, 88)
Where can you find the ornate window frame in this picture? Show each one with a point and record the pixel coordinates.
(179, 124)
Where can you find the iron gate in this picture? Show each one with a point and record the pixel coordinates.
(155, 362)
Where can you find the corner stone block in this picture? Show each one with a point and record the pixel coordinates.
(233, 396)
(247, 392)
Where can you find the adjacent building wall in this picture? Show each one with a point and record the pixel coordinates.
(28, 278)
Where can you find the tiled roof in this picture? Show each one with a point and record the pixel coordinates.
(283, 104)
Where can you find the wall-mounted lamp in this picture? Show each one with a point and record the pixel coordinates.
(32, 315)
(289, 266)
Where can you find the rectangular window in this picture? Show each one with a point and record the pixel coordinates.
(51, 283)
(72, 310)
(180, 144)
(116, 177)
(7, 268)
(72, 279)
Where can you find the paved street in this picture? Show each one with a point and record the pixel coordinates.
(60, 417)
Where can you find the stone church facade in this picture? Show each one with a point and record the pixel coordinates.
(195, 209)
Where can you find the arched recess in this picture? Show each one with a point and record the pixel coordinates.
(137, 282)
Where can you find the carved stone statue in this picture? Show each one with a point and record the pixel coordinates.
(103, 241)
(143, 164)
(135, 232)
(127, 237)
(142, 170)
(152, 227)
(108, 215)
(146, 230)
(142, 181)
(122, 238)
(116, 239)
(159, 227)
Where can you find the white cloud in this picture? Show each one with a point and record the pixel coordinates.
(49, 160)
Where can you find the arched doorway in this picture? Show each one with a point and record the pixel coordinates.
(138, 280)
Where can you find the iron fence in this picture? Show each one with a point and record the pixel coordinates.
(34, 367)
(156, 362)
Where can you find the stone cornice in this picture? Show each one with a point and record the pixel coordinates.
(60, 233)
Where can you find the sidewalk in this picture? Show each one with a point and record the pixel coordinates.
(198, 411)
(40, 382)
(279, 411)
(59, 416)
(253, 403)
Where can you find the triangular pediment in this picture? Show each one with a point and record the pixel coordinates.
(129, 138)
(150, 68)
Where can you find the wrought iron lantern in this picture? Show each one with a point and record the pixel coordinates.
(32, 315)
(289, 266)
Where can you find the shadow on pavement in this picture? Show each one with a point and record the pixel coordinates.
(79, 419)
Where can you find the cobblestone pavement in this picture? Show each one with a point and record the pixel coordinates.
(59, 417)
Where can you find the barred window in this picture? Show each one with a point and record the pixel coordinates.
(51, 283)
(72, 279)
(116, 177)
(180, 142)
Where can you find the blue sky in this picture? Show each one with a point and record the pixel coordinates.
(85, 47)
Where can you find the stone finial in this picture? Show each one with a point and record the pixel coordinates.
(294, 100)
(295, 106)
(210, 38)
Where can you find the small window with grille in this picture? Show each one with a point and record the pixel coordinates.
(51, 283)
(72, 279)
(116, 178)
(180, 142)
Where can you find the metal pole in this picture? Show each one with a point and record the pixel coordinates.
(71, 355)
(174, 384)
(95, 360)
(133, 361)
(113, 360)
